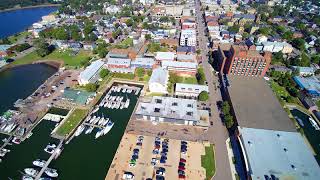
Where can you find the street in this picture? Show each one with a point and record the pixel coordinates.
(217, 133)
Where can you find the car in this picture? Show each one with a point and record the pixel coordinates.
(136, 150)
(134, 157)
(164, 157)
(157, 142)
(136, 153)
(182, 160)
(157, 146)
(140, 137)
(164, 143)
(159, 177)
(162, 161)
(132, 164)
(184, 142)
(154, 161)
(164, 150)
(157, 139)
(182, 176)
(162, 169)
(139, 144)
(165, 147)
(211, 123)
(180, 172)
(158, 172)
(181, 164)
(166, 140)
(128, 175)
(181, 168)
(163, 153)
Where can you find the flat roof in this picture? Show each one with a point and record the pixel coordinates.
(284, 155)
(91, 70)
(255, 104)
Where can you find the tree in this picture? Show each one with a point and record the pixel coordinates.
(91, 87)
(198, 51)
(288, 35)
(299, 43)
(61, 34)
(140, 72)
(315, 59)
(234, 29)
(203, 96)
(228, 119)
(174, 78)
(225, 107)
(277, 57)
(264, 31)
(104, 72)
(305, 60)
(42, 47)
(101, 50)
(147, 36)
(200, 76)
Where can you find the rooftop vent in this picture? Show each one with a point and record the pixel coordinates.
(285, 149)
(293, 167)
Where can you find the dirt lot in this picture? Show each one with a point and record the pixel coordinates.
(144, 169)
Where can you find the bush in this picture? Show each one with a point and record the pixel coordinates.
(140, 72)
(104, 72)
(203, 96)
(123, 75)
(91, 87)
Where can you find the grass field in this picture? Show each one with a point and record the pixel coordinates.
(208, 161)
(68, 59)
(72, 122)
(15, 38)
(189, 80)
(282, 94)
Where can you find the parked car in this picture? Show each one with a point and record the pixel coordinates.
(182, 160)
(128, 175)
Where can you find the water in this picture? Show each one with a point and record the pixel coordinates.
(21, 81)
(13, 22)
(309, 131)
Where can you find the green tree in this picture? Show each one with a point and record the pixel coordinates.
(228, 120)
(299, 43)
(234, 29)
(42, 47)
(315, 59)
(200, 76)
(101, 50)
(61, 34)
(225, 107)
(264, 31)
(91, 87)
(174, 78)
(104, 72)
(140, 72)
(203, 96)
(148, 36)
(198, 51)
(288, 35)
(277, 57)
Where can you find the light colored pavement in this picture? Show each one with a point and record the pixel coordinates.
(217, 133)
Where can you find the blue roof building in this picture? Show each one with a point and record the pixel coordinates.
(310, 84)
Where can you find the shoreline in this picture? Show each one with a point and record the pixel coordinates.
(29, 7)
(53, 63)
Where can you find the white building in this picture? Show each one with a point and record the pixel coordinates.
(192, 90)
(91, 73)
(188, 37)
(158, 82)
(165, 56)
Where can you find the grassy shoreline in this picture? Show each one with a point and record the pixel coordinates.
(29, 7)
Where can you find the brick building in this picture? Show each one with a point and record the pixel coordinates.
(239, 60)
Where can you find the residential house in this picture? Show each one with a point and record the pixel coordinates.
(193, 90)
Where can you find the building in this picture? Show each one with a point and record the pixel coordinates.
(243, 62)
(310, 84)
(186, 57)
(181, 68)
(120, 65)
(49, 18)
(158, 82)
(270, 145)
(165, 56)
(143, 62)
(188, 37)
(172, 110)
(91, 73)
(304, 71)
(192, 90)
(78, 96)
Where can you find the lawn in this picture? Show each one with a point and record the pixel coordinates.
(282, 94)
(67, 58)
(208, 161)
(16, 37)
(125, 43)
(318, 104)
(72, 122)
(189, 80)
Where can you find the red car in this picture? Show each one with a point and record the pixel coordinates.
(181, 168)
(182, 160)
(182, 176)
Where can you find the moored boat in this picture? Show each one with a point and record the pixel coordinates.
(51, 172)
(108, 127)
(39, 162)
(31, 172)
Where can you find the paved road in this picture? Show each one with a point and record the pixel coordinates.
(217, 133)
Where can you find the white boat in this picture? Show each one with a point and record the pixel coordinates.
(29, 135)
(96, 120)
(51, 172)
(105, 122)
(121, 98)
(130, 90)
(16, 140)
(30, 171)
(95, 110)
(99, 133)
(119, 89)
(114, 98)
(108, 127)
(314, 124)
(39, 162)
(2, 153)
(6, 150)
(79, 130)
(105, 104)
(124, 90)
(137, 91)
(122, 105)
(50, 148)
(92, 119)
(100, 121)
(109, 105)
(89, 130)
(26, 177)
(126, 105)
(299, 121)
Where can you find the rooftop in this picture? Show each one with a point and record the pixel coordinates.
(256, 106)
(91, 70)
(281, 154)
(159, 75)
(77, 96)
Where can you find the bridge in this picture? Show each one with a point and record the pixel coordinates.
(55, 154)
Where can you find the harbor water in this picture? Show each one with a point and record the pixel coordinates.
(310, 132)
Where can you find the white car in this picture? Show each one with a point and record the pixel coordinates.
(128, 176)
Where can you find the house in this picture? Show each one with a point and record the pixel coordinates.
(89, 46)
(186, 57)
(111, 9)
(261, 39)
(143, 62)
(308, 103)
(193, 90)
(172, 110)
(158, 81)
(310, 84)
(120, 65)
(91, 73)
(181, 68)
(165, 56)
(188, 37)
(3, 50)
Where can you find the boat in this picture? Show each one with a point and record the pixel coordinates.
(79, 130)
(99, 133)
(2, 153)
(96, 120)
(89, 130)
(314, 123)
(39, 162)
(50, 148)
(137, 91)
(26, 177)
(6, 150)
(299, 121)
(95, 110)
(119, 89)
(31, 172)
(126, 105)
(51, 172)
(108, 127)
(92, 119)
(45, 178)
(124, 90)
(16, 140)
(29, 135)
(105, 122)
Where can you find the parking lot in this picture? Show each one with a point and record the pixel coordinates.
(146, 157)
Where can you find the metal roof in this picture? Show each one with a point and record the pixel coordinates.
(91, 70)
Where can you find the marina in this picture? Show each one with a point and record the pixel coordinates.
(98, 134)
